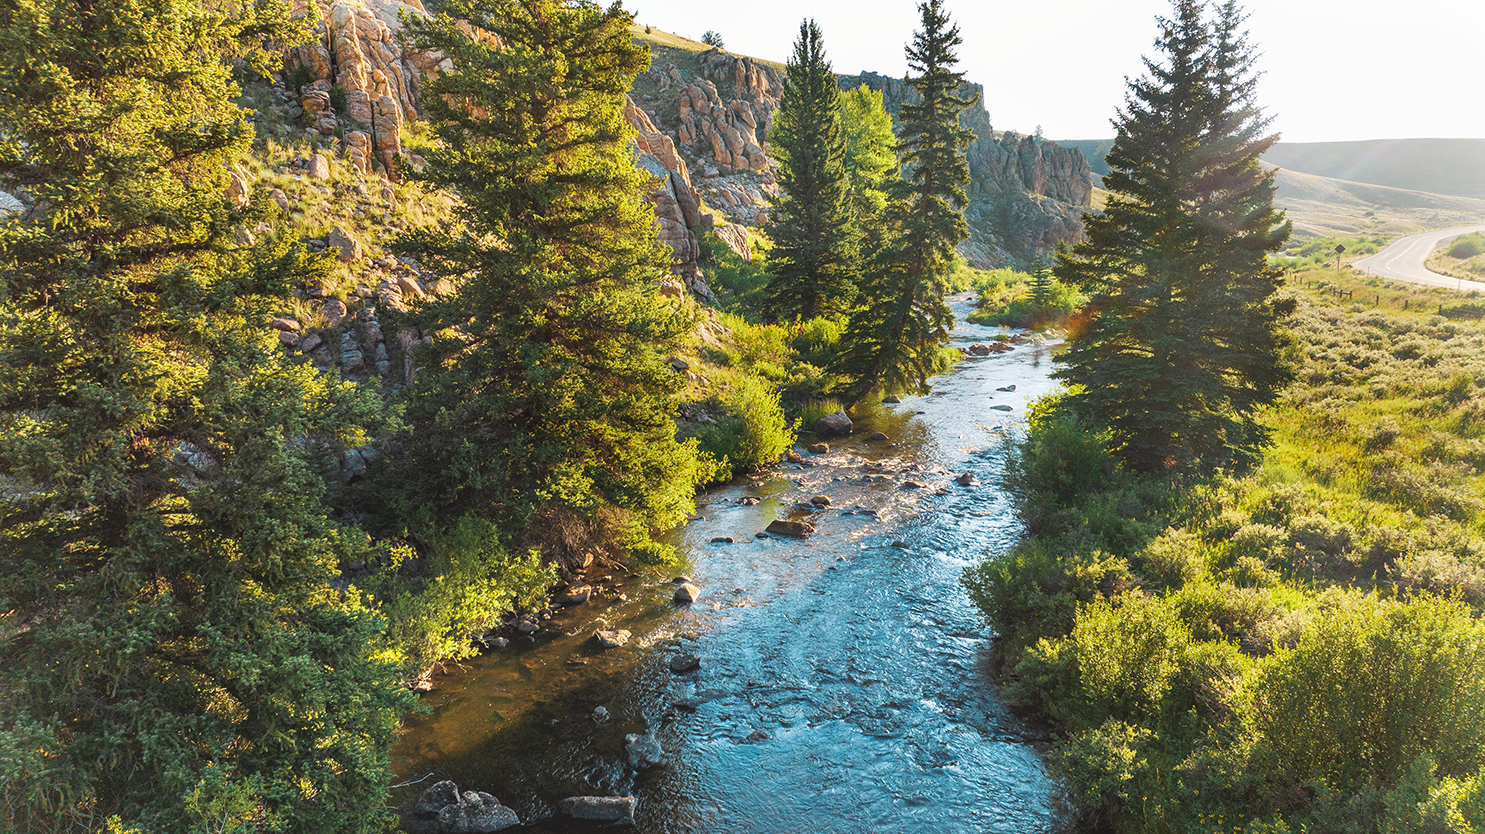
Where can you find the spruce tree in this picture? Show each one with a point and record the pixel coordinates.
(543, 398)
(1182, 345)
(814, 264)
(894, 338)
(172, 654)
(870, 160)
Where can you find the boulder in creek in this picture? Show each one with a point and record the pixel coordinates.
(609, 808)
(784, 527)
(913, 485)
(1001, 408)
(891, 399)
(1007, 388)
(476, 812)
(687, 593)
(683, 663)
(818, 448)
(876, 437)
(576, 595)
(435, 799)
(611, 639)
(642, 751)
(692, 703)
(820, 501)
(901, 545)
(834, 423)
(979, 350)
(722, 540)
(967, 479)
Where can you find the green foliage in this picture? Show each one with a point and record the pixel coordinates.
(1321, 250)
(1467, 246)
(870, 159)
(1008, 298)
(752, 431)
(544, 399)
(474, 582)
(185, 662)
(741, 286)
(894, 337)
(711, 38)
(815, 261)
(1372, 686)
(1182, 346)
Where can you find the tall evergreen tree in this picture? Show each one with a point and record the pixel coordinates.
(1183, 343)
(870, 161)
(815, 260)
(543, 401)
(172, 654)
(894, 337)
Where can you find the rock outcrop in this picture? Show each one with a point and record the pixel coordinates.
(1026, 194)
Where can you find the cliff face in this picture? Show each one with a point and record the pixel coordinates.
(1026, 194)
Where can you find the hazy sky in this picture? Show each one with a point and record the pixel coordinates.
(1333, 70)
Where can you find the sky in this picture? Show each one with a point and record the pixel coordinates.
(1333, 70)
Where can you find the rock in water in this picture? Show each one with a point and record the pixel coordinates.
(642, 751)
(612, 808)
(1007, 388)
(687, 593)
(611, 639)
(876, 437)
(797, 529)
(967, 479)
(820, 501)
(435, 799)
(1001, 408)
(576, 595)
(818, 448)
(891, 399)
(837, 423)
(683, 663)
(476, 812)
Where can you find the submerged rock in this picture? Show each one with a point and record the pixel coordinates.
(642, 751)
(876, 437)
(476, 812)
(611, 639)
(683, 663)
(435, 799)
(610, 808)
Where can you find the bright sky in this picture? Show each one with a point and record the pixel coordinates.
(1334, 71)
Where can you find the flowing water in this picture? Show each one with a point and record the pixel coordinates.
(845, 677)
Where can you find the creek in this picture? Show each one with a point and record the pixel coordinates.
(845, 680)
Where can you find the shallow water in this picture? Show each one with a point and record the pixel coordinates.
(852, 679)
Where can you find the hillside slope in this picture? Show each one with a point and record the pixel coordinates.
(1455, 167)
(1323, 206)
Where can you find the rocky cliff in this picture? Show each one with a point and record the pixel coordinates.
(1026, 194)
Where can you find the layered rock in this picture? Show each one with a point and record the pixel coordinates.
(725, 115)
(676, 201)
(1026, 194)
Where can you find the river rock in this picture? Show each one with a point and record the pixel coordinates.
(913, 485)
(642, 751)
(1007, 388)
(967, 479)
(1001, 408)
(979, 350)
(891, 399)
(818, 448)
(820, 501)
(901, 545)
(690, 704)
(576, 595)
(722, 540)
(876, 437)
(476, 812)
(687, 593)
(836, 423)
(435, 799)
(784, 527)
(749, 500)
(610, 808)
(683, 663)
(611, 639)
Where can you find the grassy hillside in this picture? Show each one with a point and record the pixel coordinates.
(1321, 206)
(1441, 166)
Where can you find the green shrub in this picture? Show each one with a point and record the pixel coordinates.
(1173, 559)
(1033, 590)
(1105, 770)
(1467, 246)
(1373, 685)
(1060, 459)
(813, 411)
(1008, 298)
(752, 431)
(1130, 655)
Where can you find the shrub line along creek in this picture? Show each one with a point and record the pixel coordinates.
(845, 679)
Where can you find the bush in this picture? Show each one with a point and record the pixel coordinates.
(1174, 559)
(1467, 246)
(752, 431)
(1371, 686)
(1036, 591)
(1060, 459)
(1130, 653)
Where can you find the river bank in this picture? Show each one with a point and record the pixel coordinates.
(844, 682)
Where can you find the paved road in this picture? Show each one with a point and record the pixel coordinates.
(1403, 260)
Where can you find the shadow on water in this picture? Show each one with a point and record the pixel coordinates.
(844, 684)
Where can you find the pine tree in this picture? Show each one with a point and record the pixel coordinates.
(173, 655)
(543, 400)
(1183, 343)
(815, 260)
(894, 338)
(870, 160)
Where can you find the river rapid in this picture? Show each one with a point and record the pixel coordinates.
(845, 680)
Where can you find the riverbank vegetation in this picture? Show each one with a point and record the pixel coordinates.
(1260, 612)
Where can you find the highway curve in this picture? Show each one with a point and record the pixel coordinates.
(1403, 260)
